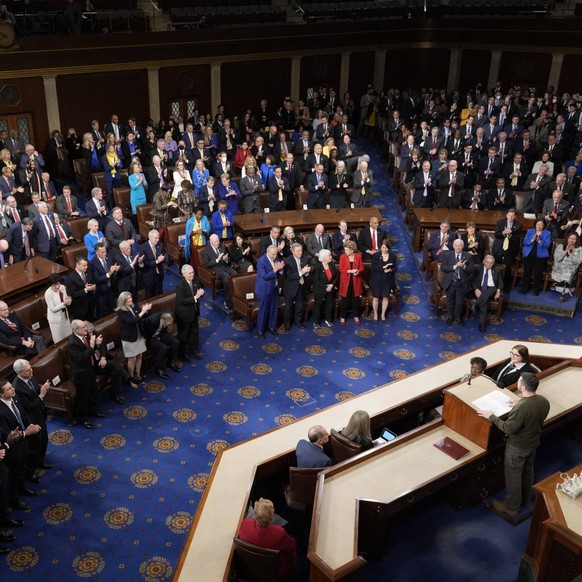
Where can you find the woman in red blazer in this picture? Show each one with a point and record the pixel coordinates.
(351, 268)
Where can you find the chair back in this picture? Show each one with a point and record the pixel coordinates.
(254, 562)
(302, 484)
(341, 447)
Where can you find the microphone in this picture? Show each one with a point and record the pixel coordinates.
(262, 216)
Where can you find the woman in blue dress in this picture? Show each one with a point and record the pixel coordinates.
(93, 237)
(138, 185)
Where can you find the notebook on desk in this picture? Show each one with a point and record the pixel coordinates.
(451, 448)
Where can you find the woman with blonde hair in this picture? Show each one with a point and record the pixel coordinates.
(358, 429)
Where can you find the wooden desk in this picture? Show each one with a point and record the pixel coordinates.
(250, 224)
(15, 281)
(425, 218)
(554, 545)
(208, 549)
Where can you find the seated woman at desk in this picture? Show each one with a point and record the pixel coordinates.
(358, 430)
(260, 531)
(510, 370)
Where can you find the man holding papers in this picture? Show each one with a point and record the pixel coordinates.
(523, 428)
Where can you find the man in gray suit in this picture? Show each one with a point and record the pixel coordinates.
(317, 241)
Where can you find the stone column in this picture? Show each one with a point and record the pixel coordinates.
(379, 66)
(52, 103)
(344, 75)
(215, 87)
(154, 94)
(454, 69)
(555, 70)
(494, 68)
(296, 79)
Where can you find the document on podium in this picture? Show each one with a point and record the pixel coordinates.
(496, 401)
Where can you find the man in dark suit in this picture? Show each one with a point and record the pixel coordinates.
(103, 273)
(441, 241)
(536, 185)
(561, 184)
(126, 279)
(279, 190)
(362, 181)
(119, 229)
(348, 152)
(97, 209)
(302, 149)
(16, 426)
(201, 153)
(506, 243)
(64, 234)
(317, 157)
(45, 232)
(273, 238)
(31, 395)
(81, 289)
(296, 271)
(13, 211)
(451, 184)
(370, 239)
(489, 168)
(457, 266)
(555, 212)
(424, 183)
(500, 197)
(267, 290)
(250, 189)
(317, 241)
(310, 453)
(162, 343)
(152, 260)
(189, 293)
(14, 333)
(317, 186)
(66, 205)
(215, 257)
(20, 241)
(324, 130)
(339, 238)
(516, 172)
(291, 171)
(474, 198)
(487, 284)
(114, 128)
(346, 128)
(156, 176)
(82, 359)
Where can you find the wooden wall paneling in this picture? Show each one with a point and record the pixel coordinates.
(525, 69)
(244, 84)
(417, 67)
(184, 82)
(85, 97)
(570, 75)
(361, 73)
(475, 66)
(320, 70)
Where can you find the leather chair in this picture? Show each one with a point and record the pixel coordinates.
(70, 254)
(51, 365)
(207, 276)
(32, 313)
(438, 296)
(519, 203)
(80, 170)
(79, 227)
(341, 447)
(427, 260)
(300, 492)
(254, 562)
(121, 197)
(163, 302)
(144, 219)
(240, 286)
(172, 233)
(495, 305)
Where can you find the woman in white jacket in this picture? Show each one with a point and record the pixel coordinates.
(57, 302)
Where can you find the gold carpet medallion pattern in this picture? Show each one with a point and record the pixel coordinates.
(184, 415)
(166, 444)
(411, 299)
(58, 438)
(111, 442)
(143, 478)
(248, 392)
(271, 348)
(398, 374)
(214, 447)
(404, 354)
(87, 475)
(365, 333)
(354, 373)
(135, 412)
(409, 316)
(229, 345)
(201, 390)
(88, 564)
(578, 341)
(283, 419)
(359, 352)
(203, 322)
(156, 569)
(216, 367)
(198, 482)
(307, 371)
(22, 559)
(179, 522)
(323, 331)
(407, 335)
(536, 319)
(344, 395)
(235, 418)
(540, 339)
(154, 386)
(240, 325)
(118, 518)
(447, 355)
(403, 276)
(315, 350)
(261, 369)
(57, 513)
(451, 336)
(297, 394)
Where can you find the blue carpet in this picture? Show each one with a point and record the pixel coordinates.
(120, 500)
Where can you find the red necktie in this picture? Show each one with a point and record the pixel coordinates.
(69, 207)
(15, 215)
(11, 325)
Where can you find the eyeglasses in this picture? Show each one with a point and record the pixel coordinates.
(514, 354)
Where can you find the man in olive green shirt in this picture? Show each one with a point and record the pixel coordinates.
(523, 428)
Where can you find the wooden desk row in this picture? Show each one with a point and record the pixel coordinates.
(208, 550)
